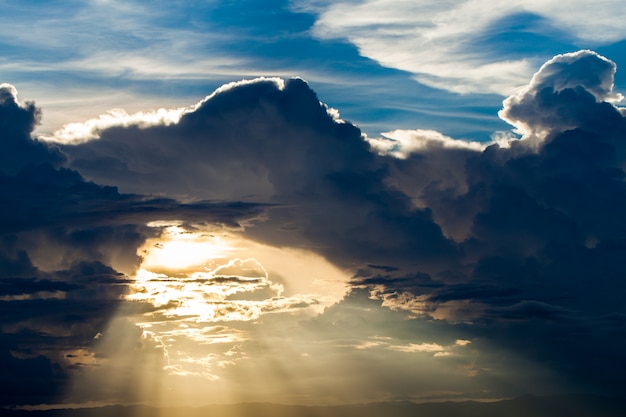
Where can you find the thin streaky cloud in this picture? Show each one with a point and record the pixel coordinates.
(440, 42)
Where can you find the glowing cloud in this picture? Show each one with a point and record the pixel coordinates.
(402, 143)
(74, 133)
(197, 283)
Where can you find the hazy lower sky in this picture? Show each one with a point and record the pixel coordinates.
(310, 202)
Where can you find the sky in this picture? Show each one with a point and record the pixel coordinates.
(310, 202)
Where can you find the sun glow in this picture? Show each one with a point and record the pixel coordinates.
(207, 296)
(178, 248)
(184, 267)
(201, 290)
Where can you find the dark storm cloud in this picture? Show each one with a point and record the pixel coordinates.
(278, 144)
(61, 239)
(31, 379)
(520, 247)
(45, 322)
(17, 121)
(540, 225)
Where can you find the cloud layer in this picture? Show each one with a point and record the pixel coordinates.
(476, 263)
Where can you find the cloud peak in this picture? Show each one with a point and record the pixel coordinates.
(561, 93)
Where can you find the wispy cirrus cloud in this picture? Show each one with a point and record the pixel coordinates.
(459, 45)
(113, 44)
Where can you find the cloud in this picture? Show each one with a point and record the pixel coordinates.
(28, 378)
(401, 143)
(123, 55)
(270, 141)
(90, 129)
(532, 220)
(561, 95)
(132, 40)
(517, 249)
(63, 240)
(45, 320)
(8, 93)
(429, 31)
(17, 121)
(454, 45)
(423, 347)
(482, 237)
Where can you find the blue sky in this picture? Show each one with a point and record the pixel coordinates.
(379, 68)
(310, 202)
(384, 64)
(128, 55)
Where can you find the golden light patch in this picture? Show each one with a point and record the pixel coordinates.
(195, 286)
(178, 248)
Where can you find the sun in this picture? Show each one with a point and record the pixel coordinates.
(179, 249)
